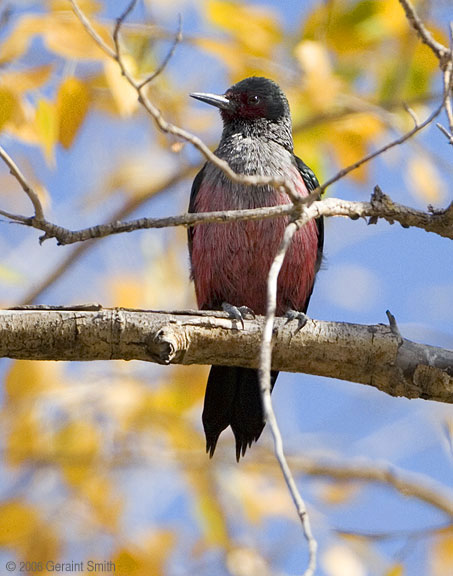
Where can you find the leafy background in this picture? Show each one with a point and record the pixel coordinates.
(106, 461)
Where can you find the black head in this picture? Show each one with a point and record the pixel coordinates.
(250, 99)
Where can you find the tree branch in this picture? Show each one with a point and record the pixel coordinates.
(26, 187)
(371, 355)
(425, 35)
(408, 484)
(381, 206)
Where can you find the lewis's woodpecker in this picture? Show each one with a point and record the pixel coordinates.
(230, 262)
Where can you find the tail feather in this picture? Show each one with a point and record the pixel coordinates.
(218, 404)
(233, 398)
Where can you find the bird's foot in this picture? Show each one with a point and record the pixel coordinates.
(238, 313)
(301, 318)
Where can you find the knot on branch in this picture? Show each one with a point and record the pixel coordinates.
(444, 213)
(168, 344)
(382, 204)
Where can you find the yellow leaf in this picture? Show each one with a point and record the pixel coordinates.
(24, 438)
(442, 554)
(338, 493)
(228, 52)
(18, 41)
(7, 105)
(22, 124)
(260, 497)
(98, 491)
(124, 95)
(254, 27)
(88, 7)
(17, 522)
(78, 441)
(351, 137)
(395, 570)
(424, 180)
(72, 106)
(66, 36)
(21, 81)
(208, 509)
(47, 128)
(11, 276)
(27, 379)
(147, 559)
(317, 75)
(127, 292)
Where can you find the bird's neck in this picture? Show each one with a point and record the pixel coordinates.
(255, 147)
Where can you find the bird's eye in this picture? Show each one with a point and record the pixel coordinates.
(254, 99)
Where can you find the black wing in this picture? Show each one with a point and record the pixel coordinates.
(311, 182)
(193, 194)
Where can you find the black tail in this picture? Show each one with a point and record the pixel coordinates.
(233, 399)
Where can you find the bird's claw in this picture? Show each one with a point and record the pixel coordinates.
(238, 313)
(301, 318)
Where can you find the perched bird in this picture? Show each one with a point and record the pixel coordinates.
(230, 262)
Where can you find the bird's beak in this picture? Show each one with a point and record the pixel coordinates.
(214, 100)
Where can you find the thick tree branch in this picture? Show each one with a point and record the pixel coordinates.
(371, 355)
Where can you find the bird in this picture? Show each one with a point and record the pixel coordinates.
(230, 261)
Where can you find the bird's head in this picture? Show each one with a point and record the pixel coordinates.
(249, 100)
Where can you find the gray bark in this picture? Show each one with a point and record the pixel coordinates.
(374, 355)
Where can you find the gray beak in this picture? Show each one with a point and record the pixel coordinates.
(214, 100)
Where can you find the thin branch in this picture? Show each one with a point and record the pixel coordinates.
(342, 173)
(177, 39)
(131, 205)
(447, 76)
(446, 133)
(380, 207)
(169, 128)
(120, 21)
(409, 484)
(91, 31)
(425, 35)
(265, 384)
(33, 196)
(443, 54)
(416, 534)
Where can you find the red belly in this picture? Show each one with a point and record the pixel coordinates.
(230, 262)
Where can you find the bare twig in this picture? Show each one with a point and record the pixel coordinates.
(34, 198)
(447, 134)
(169, 128)
(381, 206)
(130, 206)
(265, 384)
(425, 35)
(342, 173)
(447, 77)
(414, 534)
(91, 31)
(119, 22)
(443, 54)
(412, 114)
(177, 39)
(409, 484)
